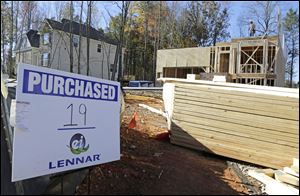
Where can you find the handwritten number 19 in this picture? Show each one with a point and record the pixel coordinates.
(82, 111)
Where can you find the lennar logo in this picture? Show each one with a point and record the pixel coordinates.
(78, 144)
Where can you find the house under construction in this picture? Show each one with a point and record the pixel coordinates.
(250, 60)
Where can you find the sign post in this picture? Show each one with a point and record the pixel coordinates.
(64, 121)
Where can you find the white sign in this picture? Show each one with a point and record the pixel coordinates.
(64, 121)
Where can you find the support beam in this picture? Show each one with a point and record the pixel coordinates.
(216, 59)
(266, 64)
(238, 58)
(250, 57)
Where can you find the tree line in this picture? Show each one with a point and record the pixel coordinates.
(153, 25)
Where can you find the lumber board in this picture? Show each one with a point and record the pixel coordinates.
(296, 162)
(233, 125)
(287, 178)
(238, 103)
(228, 153)
(272, 135)
(217, 131)
(281, 144)
(229, 124)
(246, 122)
(268, 172)
(248, 155)
(295, 168)
(290, 171)
(292, 115)
(234, 117)
(224, 150)
(295, 165)
(268, 160)
(282, 116)
(238, 97)
(273, 187)
(240, 142)
(244, 86)
(278, 127)
(228, 100)
(193, 117)
(230, 113)
(270, 95)
(289, 115)
(287, 153)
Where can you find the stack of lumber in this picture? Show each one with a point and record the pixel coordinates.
(279, 182)
(256, 124)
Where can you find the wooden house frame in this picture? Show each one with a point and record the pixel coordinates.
(251, 60)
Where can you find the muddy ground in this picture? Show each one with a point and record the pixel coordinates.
(151, 166)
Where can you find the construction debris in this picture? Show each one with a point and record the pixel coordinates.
(153, 110)
(273, 187)
(295, 165)
(279, 182)
(160, 174)
(287, 178)
(289, 170)
(158, 154)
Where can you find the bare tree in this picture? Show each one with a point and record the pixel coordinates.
(263, 14)
(80, 32)
(26, 19)
(5, 18)
(38, 16)
(156, 43)
(125, 8)
(11, 37)
(146, 13)
(59, 5)
(16, 20)
(29, 8)
(159, 25)
(124, 13)
(71, 36)
(88, 36)
(117, 51)
(172, 26)
(29, 14)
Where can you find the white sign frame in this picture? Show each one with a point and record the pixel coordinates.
(71, 125)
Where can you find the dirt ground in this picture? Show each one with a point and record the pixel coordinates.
(151, 166)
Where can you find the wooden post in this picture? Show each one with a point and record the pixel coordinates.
(231, 64)
(216, 59)
(265, 67)
(238, 58)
